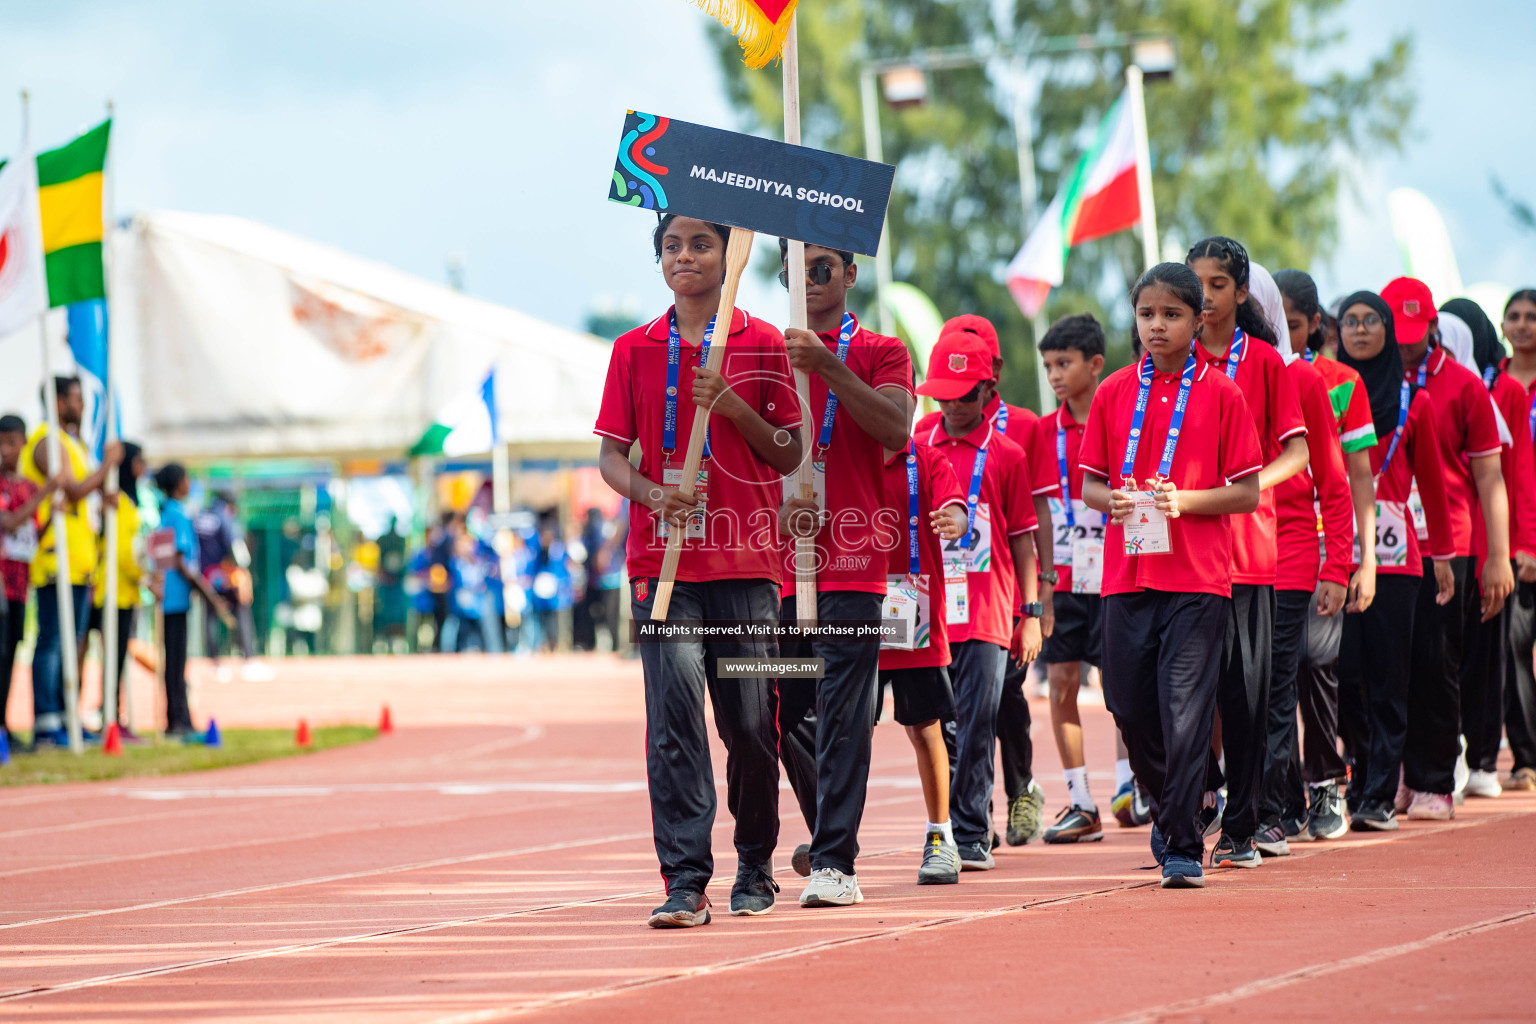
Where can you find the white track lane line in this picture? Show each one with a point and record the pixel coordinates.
(1318, 970)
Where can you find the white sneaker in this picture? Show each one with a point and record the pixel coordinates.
(1484, 784)
(829, 887)
(1431, 807)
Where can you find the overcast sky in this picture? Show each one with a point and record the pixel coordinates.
(407, 131)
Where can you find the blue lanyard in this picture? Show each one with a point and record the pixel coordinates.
(1061, 468)
(1309, 356)
(1531, 421)
(1175, 423)
(975, 495)
(1488, 376)
(1000, 418)
(1235, 352)
(674, 360)
(1404, 397)
(913, 566)
(844, 337)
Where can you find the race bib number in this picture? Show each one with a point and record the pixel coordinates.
(1088, 565)
(1416, 510)
(972, 553)
(1391, 534)
(907, 601)
(957, 597)
(1146, 528)
(1087, 525)
(672, 476)
(21, 544)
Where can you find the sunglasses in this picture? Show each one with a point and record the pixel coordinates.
(819, 273)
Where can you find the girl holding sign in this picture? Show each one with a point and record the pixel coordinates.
(1374, 653)
(1175, 437)
(729, 568)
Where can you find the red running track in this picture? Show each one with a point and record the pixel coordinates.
(496, 864)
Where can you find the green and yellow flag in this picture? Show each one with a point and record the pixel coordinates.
(69, 181)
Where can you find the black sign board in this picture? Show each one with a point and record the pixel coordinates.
(747, 182)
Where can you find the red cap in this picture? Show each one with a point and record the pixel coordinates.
(1413, 308)
(959, 361)
(977, 325)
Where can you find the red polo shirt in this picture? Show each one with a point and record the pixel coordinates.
(1045, 452)
(1007, 498)
(936, 487)
(1217, 445)
(1325, 481)
(1021, 431)
(1276, 413)
(848, 554)
(742, 536)
(1464, 420)
(1417, 460)
(1519, 468)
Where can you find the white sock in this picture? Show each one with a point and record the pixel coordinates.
(946, 828)
(1077, 788)
(1123, 774)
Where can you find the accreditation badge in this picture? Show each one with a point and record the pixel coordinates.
(1146, 528)
(672, 476)
(1416, 511)
(957, 596)
(907, 601)
(1392, 518)
(818, 485)
(1088, 564)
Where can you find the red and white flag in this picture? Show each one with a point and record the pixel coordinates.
(23, 279)
(1101, 198)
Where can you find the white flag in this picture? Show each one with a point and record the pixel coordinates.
(23, 278)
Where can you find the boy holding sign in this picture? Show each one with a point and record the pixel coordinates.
(1175, 436)
(1073, 354)
(984, 573)
(861, 407)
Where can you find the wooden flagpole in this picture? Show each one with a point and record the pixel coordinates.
(110, 669)
(805, 547)
(736, 252)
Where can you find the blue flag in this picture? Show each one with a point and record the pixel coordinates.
(88, 344)
(488, 396)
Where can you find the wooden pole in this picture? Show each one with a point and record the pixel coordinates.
(110, 669)
(1137, 98)
(737, 250)
(805, 547)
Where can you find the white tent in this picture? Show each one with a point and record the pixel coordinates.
(236, 340)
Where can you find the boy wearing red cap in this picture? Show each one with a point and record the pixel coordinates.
(861, 407)
(985, 572)
(1016, 749)
(1469, 456)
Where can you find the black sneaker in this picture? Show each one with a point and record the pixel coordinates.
(1159, 845)
(1211, 812)
(1270, 839)
(1075, 825)
(1235, 853)
(683, 909)
(1326, 818)
(752, 895)
(976, 857)
(1374, 816)
(800, 860)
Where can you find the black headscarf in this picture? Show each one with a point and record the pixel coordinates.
(1486, 348)
(126, 481)
(1383, 375)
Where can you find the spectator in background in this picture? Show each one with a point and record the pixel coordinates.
(389, 618)
(476, 577)
(549, 592)
(440, 575)
(77, 483)
(130, 574)
(602, 540)
(176, 594)
(20, 499)
(219, 551)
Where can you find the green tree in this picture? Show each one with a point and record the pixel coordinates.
(1250, 138)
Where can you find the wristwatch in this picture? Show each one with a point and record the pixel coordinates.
(1033, 609)
(1053, 577)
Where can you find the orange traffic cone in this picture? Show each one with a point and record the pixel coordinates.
(112, 742)
(386, 724)
(301, 738)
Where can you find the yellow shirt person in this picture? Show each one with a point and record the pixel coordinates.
(77, 524)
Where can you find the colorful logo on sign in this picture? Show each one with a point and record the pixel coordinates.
(637, 177)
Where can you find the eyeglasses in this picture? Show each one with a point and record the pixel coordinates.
(1349, 323)
(819, 273)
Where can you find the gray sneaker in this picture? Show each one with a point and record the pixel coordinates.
(800, 860)
(976, 857)
(1024, 824)
(829, 887)
(941, 861)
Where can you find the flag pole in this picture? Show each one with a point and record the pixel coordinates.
(1135, 93)
(111, 495)
(805, 547)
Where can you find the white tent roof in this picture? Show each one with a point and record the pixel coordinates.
(234, 339)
